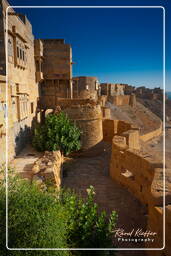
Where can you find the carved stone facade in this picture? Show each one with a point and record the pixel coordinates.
(38, 72)
(22, 86)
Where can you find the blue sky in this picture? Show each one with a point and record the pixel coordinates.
(116, 45)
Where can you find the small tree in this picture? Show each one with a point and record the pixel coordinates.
(58, 133)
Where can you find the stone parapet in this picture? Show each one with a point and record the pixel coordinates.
(150, 135)
(119, 127)
(143, 177)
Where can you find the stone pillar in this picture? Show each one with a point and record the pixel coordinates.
(132, 100)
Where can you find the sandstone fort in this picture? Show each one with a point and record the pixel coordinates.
(120, 122)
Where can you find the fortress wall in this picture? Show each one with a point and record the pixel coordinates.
(123, 126)
(109, 129)
(113, 127)
(102, 100)
(155, 223)
(120, 100)
(132, 138)
(151, 135)
(132, 170)
(85, 87)
(143, 177)
(132, 100)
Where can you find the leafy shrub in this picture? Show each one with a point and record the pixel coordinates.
(57, 133)
(41, 219)
(35, 220)
(86, 228)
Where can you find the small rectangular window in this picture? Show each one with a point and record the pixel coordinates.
(18, 55)
(32, 107)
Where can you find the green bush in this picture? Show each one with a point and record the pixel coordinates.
(42, 219)
(57, 133)
(35, 220)
(86, 227)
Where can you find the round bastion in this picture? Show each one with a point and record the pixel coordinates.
(88, 118)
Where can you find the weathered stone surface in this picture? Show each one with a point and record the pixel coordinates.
(142, 175)
(36, 168)
(49, 168)
(157, 187)
(106, 112)
(88, 118)
(23, 89)
(85, 87)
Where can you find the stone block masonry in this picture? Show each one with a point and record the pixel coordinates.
(120, 100)
(106, 112)
(143, 177)
(88, 117)
(22, 86)
(115, 127)
(48, 169)
(150, 135)
(85, 87)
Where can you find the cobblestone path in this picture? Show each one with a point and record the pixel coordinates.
(94, 170)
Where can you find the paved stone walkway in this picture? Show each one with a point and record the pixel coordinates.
(24, 161)
(94, 170)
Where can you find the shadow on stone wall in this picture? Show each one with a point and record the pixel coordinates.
(22, 138)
